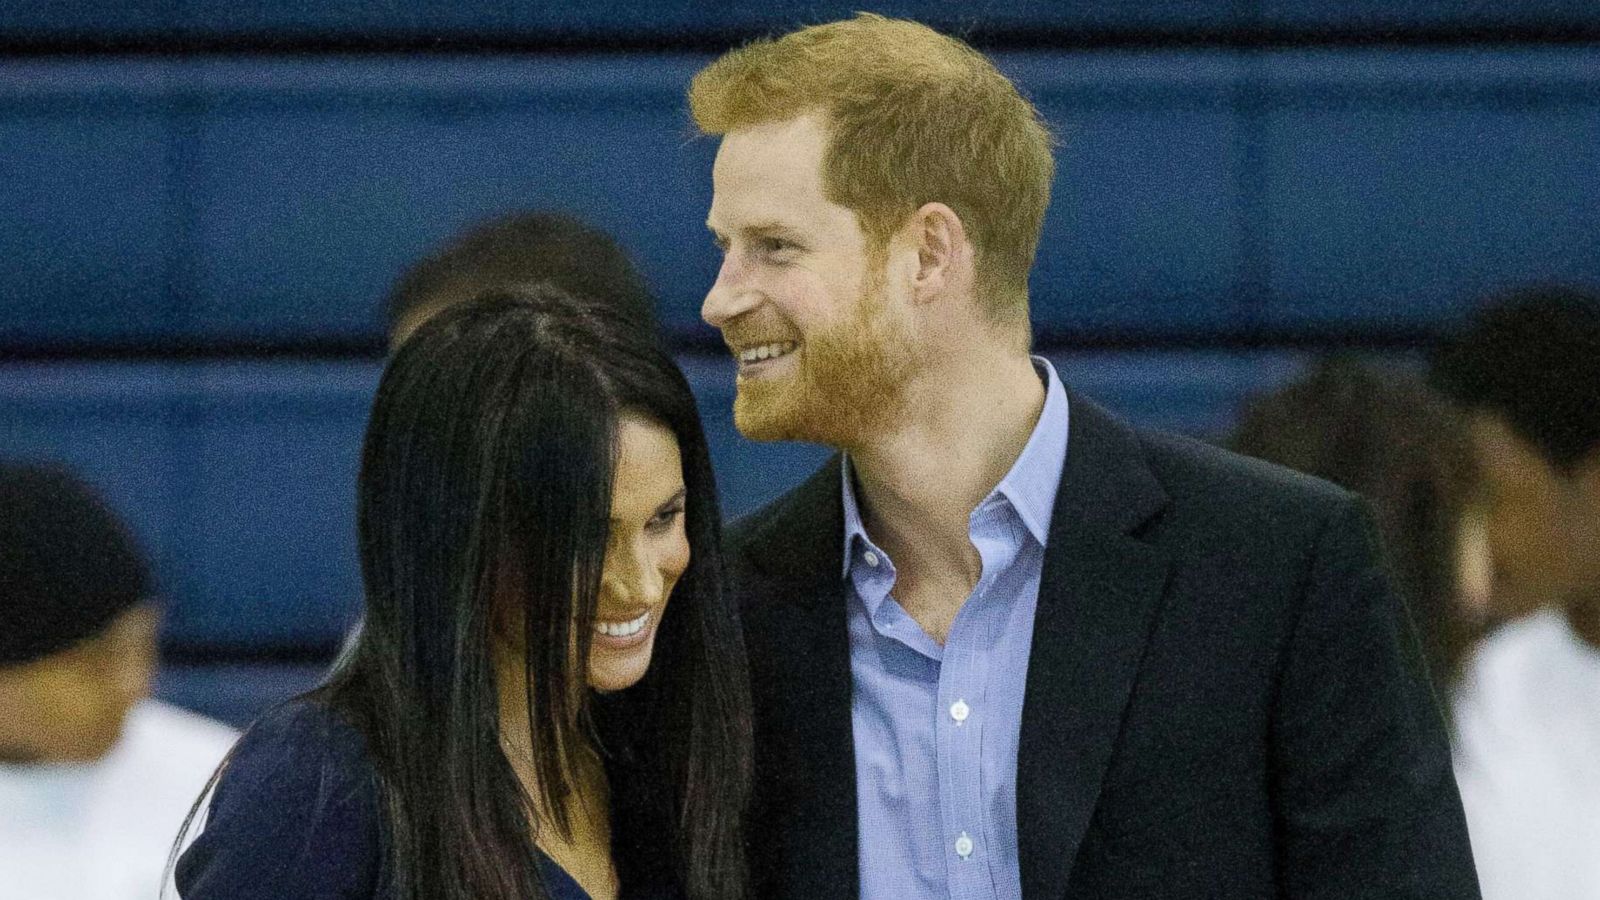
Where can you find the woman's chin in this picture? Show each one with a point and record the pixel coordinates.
(617, 662)
(616, 670)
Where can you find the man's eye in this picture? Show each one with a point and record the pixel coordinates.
(776, 245)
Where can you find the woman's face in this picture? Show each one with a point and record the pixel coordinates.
(647, 553)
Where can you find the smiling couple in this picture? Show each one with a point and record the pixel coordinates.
(1003, 645)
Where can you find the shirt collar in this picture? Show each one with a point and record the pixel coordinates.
(854, 530)
(1030, 487)
(1031, 484)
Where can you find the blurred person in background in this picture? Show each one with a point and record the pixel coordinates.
(1385, 435)
(514, 250)
(1527, 371)
(95, 777)
(548, 698)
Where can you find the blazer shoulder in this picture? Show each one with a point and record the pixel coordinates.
(1203, 476)
(302, 743)
(294, 813)
(802, 507)
(1264, 515)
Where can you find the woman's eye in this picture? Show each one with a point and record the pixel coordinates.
(665, 518)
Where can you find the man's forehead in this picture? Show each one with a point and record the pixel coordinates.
(767, 201)
(792, 147)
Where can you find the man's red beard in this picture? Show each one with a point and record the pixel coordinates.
(849, 383)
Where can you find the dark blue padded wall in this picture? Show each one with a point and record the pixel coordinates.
(281, 199)
(240, 477)
(89, 224)
(661, 19)
(1401, 188)
(1389, 14)
(372, 164)
(1205, 192)
(1145, 228)
(169, 19)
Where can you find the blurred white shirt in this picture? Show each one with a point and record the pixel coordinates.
(1528, 761)
(102, 830)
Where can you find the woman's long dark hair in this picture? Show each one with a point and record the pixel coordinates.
(486, 473)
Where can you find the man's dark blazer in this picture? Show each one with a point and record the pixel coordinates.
(1221, 699)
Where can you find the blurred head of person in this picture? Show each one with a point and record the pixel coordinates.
(77, 624)
(878, 196)
(1527, 371)
(515, 250)
(539, 540)
(1383, 434)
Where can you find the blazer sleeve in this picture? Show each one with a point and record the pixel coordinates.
(294, 817)
(1365, 799)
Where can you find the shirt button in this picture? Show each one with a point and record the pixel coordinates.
(959, 711)
(871, 558)
(963, 846)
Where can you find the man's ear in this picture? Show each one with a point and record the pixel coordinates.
(944, 254)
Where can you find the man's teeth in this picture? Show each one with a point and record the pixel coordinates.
(766, 351)
(623, 629)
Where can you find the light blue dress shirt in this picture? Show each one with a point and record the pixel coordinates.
(936, 728)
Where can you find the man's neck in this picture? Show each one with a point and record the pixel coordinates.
(919, 484)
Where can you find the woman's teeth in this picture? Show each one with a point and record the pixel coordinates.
(623, 629)
(767, 351)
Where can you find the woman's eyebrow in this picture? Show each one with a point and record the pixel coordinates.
(676, 498)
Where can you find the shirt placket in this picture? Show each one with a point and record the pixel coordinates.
(958, 730)
(958, 737)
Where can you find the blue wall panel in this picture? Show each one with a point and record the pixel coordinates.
(526, 18)
(271, 453)
(303, 188)
(240, 478)
(1399, 189)
(666, 18)
(89, 18)
(316, 185)
(1202, 191)
(1199, 393)
(87, 228)
(111, 426)
(1145, 227)
(1389, 14)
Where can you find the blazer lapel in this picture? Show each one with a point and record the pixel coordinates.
(805, 745)
(1098, 598)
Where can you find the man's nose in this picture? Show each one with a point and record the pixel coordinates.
(730, 296)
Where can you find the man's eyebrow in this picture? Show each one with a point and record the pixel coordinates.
(760, 229)
(770, 228)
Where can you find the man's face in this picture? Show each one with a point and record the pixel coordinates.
(822, 341)
(1542, 524)
(70, 706)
